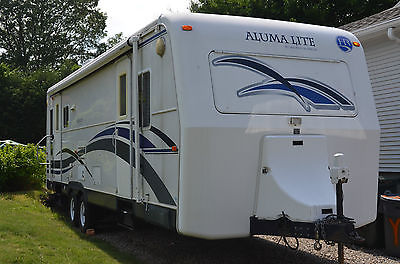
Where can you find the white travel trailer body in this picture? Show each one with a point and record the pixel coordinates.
(240, 118)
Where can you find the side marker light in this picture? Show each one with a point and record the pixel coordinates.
(187, 28)
(174, 148)
(357, 44)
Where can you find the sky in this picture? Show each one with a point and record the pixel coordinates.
(129, 16)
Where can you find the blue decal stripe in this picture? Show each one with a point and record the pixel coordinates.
(155, 182)
(58, 171)
(56, 164)
(163, 136)
(309, 94)
(263, 69)
(106, 132)
(159, 151)
(147, 41)
(145, 143)
(106, 144)
(319, 95)
(150, 175)
(124, 132)
(74, 157)
(323, 89)
(120, 123)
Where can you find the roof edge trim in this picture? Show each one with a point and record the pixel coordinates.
(90, 67)
(99, 61)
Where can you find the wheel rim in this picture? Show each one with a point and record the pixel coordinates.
(82, 214)
(72, 209)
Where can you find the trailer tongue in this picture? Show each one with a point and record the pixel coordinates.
(332, 228)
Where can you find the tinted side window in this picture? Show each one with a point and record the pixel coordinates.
(122, 95)
(66, 116)
(51, 122)
(144, 99)
(57, 117)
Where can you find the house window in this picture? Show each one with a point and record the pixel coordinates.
(144, 99)
(122, 95)
(66, 116)
(57, 117)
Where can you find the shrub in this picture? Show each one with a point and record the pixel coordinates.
(20, 168)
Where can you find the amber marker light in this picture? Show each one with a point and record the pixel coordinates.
(187, 28)
(357, 44)
(173, 148)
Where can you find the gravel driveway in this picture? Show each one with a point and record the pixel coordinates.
(155, 245)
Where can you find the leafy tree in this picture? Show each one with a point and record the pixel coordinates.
(38, 34)
(321, 12)
(109, 43)
(23, 100)
(9, 79)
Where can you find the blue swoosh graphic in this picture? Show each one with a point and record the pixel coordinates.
(318, 94)
(315, 97)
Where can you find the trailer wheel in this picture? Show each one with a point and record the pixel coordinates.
(73, 210)
(85, 216)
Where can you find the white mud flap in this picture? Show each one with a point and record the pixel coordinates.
(294, 178)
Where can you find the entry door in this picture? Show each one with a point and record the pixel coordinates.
(123, 132)
(55, 152)
(50, 141)
(143, 102)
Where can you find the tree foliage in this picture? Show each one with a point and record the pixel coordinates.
(41, 42)
(320, 12)
(109, 43)
(38, 34)
(23, 100)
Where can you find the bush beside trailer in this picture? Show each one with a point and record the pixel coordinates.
(239, 120)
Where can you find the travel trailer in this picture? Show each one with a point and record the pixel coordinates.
(220, 127)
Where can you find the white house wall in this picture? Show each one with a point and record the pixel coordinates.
(383, 60)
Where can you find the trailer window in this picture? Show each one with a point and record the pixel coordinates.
(278, 85)
(122, 95)
(144, 99)
(57, 117)
(66, 116)
(51, 122)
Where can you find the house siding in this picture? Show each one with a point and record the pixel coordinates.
(383, 60)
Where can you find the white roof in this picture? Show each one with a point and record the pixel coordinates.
(214, 25)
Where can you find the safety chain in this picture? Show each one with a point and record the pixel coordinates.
(319, 230)
(317, 244)
(296, 247)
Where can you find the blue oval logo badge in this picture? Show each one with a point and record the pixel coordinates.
(344, 43)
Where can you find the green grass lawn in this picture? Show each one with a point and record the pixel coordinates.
(32, 233)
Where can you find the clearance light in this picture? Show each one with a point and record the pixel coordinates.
(357, 44)
(187, 28)
(174, 148)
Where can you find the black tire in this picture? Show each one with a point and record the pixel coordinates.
(85, 215)
(73, 211)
